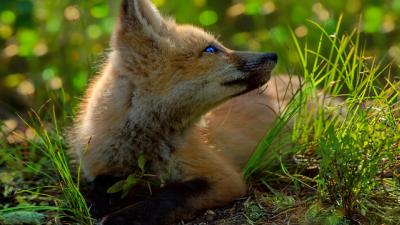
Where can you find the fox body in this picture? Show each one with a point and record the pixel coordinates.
(154, 99)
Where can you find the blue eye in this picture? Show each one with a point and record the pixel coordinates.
(211, 49)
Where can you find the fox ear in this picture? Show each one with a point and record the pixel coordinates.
(141, 15)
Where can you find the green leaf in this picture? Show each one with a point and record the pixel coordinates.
(131, 180)
(117, 187)
(142, 162)
(124, 186)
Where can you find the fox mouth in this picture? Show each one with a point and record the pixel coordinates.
(251, 80)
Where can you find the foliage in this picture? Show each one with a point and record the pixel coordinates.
(350, 131)
(125, 186)
(51, 142)
(359, 143)
(350, 164)
(316, 214)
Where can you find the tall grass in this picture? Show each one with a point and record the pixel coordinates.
(51, 142)
(346, 118)
(69, 203)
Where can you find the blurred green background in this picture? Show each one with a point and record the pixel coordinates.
(52, 45)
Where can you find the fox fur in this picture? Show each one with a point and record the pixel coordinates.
(194, 115)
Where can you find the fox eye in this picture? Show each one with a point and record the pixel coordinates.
(211, 49)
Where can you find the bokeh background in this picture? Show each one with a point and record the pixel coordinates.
(53, 47)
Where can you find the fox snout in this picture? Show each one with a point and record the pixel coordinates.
(256, 67)
(250, 61)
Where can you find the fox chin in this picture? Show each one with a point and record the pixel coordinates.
(173, 95)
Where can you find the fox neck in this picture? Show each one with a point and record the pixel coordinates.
(156, 115)
(155, 128)
(155, 125)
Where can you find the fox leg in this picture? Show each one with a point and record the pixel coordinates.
(207, 181)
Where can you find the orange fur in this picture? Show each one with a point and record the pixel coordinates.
(237, 126)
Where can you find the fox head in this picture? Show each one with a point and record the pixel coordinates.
(181, 66)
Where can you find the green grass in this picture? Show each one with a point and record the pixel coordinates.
(350, 133)
(47, 160)
(52, 143)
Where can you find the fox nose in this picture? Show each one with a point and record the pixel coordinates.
(251, 61)
(268, 57)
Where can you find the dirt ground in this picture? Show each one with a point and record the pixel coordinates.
(239, 214)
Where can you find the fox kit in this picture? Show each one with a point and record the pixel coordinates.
(153, 100)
